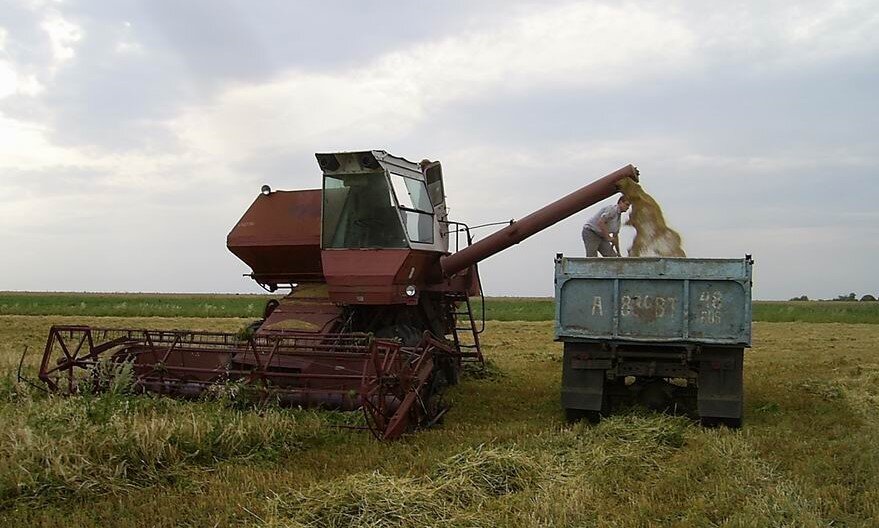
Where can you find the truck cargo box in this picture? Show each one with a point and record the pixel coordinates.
(684, 300)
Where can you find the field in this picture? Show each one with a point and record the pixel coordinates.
(496, 308)
(133, 305)
(504, 456)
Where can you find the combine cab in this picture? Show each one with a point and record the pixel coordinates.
(378, 316)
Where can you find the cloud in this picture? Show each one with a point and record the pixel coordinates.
(593, 47)
(63, 36)
(771, 37)
(127, 126)
(571, 45)
(11, 80)
(24, 145)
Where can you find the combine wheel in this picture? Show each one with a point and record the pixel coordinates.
(451, 369)
(407, 334)
(271, 305)
(435, 408)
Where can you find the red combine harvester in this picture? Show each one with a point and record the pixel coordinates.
(378, 316)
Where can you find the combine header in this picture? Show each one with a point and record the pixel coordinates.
(378, 316)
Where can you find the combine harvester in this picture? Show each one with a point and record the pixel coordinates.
(378, 316)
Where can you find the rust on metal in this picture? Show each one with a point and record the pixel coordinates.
(307, 309)
(279, 237)
(291, 368)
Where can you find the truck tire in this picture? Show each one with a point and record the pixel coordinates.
(576, 415)
(713, 421)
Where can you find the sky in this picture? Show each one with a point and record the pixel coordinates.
(134, 134)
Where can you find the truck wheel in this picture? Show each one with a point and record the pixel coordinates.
(576, 415)
(714, 421)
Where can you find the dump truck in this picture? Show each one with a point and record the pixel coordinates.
(666, 333)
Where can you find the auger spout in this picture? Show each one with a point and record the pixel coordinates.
(537, 221)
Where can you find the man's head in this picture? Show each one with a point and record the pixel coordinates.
(624, 203)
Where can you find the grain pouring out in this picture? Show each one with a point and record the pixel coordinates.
(653, 237)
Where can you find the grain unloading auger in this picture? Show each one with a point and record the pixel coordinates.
(378, 316)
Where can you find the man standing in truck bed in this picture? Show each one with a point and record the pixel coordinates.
(601, 234)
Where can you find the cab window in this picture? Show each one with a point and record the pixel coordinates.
(415, 207)
(359, 212)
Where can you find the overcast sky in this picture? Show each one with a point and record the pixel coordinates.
(134, 134)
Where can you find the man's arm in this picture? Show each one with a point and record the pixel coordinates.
(602, 226)
(613, 238)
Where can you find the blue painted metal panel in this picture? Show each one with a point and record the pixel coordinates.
(682, 300)
(594, 312)
(650, 309)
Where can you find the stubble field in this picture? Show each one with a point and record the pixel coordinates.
(807, 455)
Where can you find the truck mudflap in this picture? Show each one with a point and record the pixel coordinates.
(583, 386)
(720, 385)
(396, 386)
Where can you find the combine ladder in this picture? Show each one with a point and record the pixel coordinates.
(465, 334)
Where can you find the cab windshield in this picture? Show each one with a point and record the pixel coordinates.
(359, 212)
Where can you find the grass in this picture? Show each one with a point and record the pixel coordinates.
(84, 446)
(817, 311)
(450, 495)
(543, 309)
(496, 308)
(133, 304)
(807, 455)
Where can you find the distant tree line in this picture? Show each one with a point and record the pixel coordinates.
(850, 297)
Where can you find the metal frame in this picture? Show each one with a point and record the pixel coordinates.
(384, 379)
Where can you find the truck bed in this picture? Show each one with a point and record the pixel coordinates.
(654, 300)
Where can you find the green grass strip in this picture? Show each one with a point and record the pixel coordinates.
(251, 306)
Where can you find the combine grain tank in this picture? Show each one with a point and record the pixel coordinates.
(378, 315)
(666, 332)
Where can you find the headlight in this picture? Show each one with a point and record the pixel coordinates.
(410, 290)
